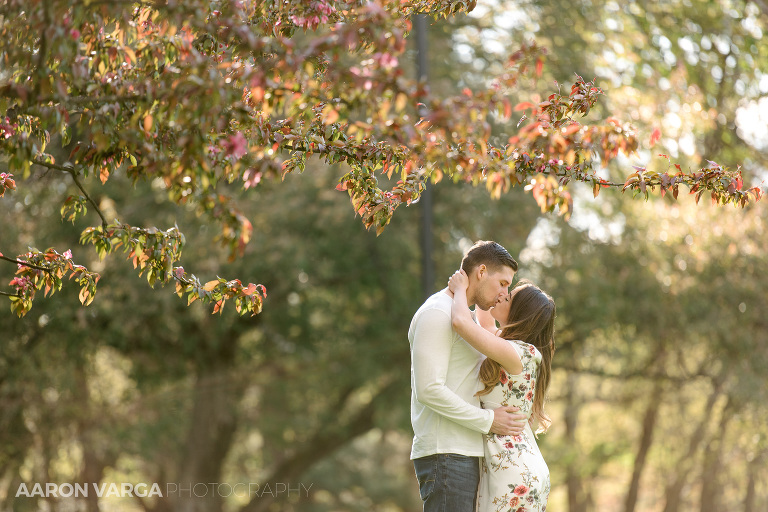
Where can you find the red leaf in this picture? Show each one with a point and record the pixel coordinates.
(655, 136)
(539, 66)
(571, 129)
(523, 106)
(332, 115)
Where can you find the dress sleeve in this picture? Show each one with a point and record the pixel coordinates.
(432, 345)
(530, 356)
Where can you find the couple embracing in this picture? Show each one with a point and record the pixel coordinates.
(478, 388)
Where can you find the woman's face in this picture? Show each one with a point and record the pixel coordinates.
(501, 310)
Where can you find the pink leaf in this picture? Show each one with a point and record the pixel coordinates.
(655, 136)
(236, 145)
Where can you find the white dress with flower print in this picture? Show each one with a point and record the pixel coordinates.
(513, 474)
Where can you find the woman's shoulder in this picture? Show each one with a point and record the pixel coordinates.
(526, 350)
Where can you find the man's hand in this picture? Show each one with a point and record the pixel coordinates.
(507, 421)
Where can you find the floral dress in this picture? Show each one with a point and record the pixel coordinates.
(513, 474)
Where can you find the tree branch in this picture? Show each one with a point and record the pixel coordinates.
(593, 179)
(72, 172)
(90, 200)
(122, 98)
(30, 265)
(325, 441)
(9, 294)
(641, 374)
(155, 5)
(85, 100)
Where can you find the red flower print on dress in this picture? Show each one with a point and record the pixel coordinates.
(532, 351)
(503, 377)
(520, 490)
(527, 376)
(509, 445)
(529, 396)
(517, 439)
(514, 501)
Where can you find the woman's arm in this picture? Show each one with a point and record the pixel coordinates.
(498, 349)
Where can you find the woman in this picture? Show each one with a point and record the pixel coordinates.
(516, 372)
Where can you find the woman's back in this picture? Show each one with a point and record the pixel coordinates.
(514, 473)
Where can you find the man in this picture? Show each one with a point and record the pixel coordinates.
(447, 420)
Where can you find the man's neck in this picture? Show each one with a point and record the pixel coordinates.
(471, 300)
(449, 293)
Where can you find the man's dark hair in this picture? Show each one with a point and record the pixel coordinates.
(489, 253)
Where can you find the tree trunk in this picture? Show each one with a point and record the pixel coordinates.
(751, 495)
(574, 483)
(710, 494)
(685, 464)
(646, 439)
(95, 461)
(212, 427)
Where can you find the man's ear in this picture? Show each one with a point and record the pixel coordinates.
(481, 271)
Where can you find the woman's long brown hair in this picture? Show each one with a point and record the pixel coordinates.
(531, 320)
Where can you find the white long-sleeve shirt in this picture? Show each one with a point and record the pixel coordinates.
(445, 414)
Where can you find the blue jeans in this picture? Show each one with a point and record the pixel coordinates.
(448, 482)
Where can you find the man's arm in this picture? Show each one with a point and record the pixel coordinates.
(432, 344)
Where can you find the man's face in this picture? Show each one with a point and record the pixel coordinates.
(492, 287)
(500, 312)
